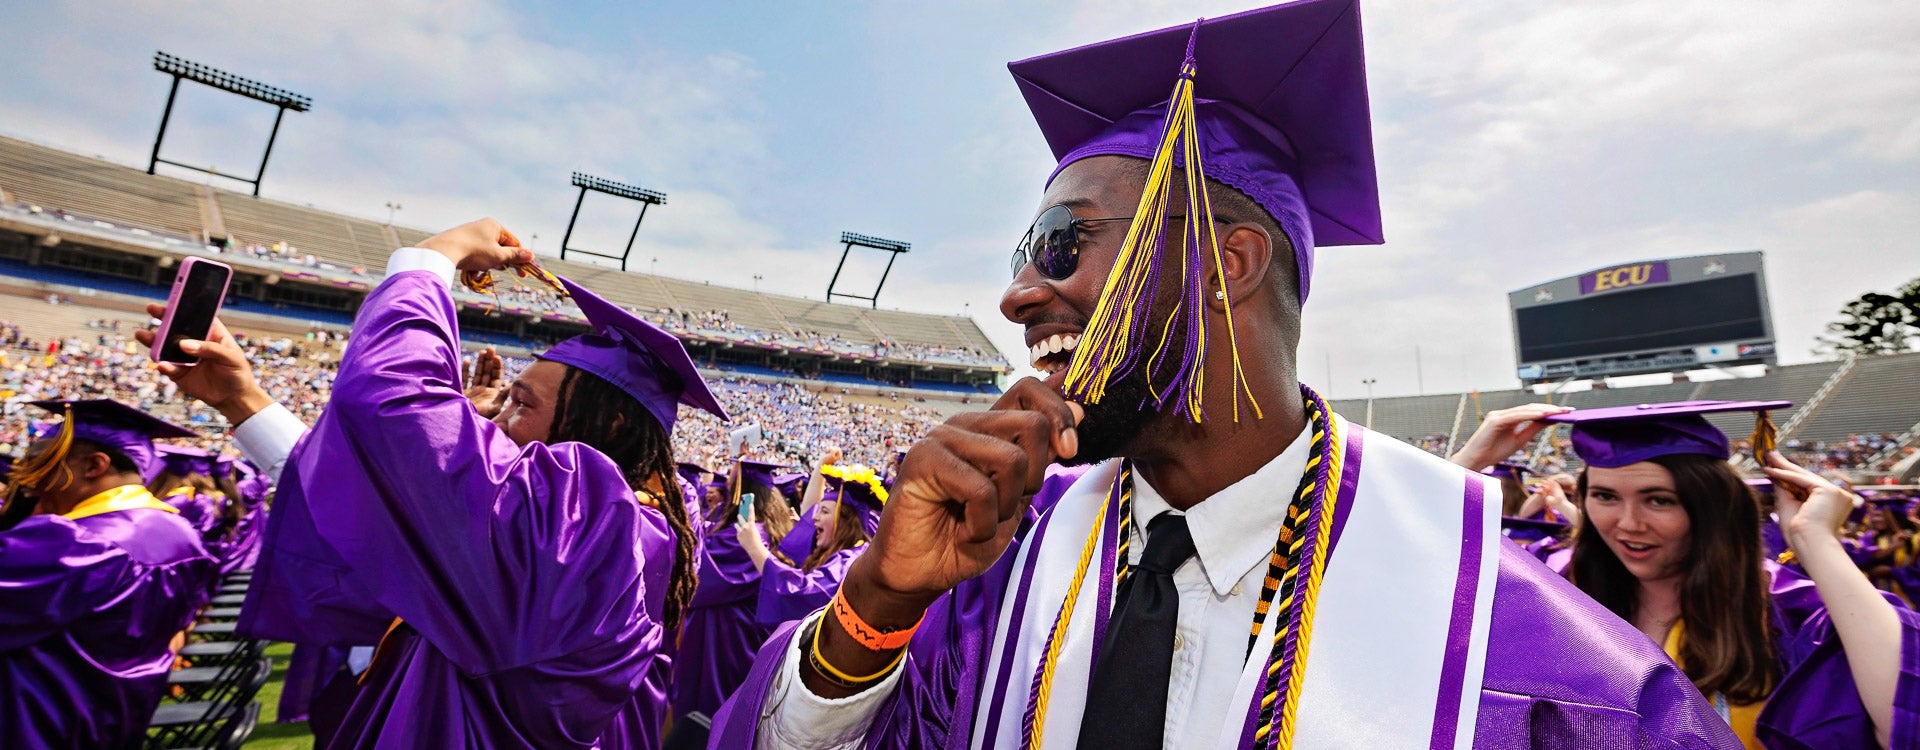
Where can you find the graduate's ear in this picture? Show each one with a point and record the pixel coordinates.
(1246, 255)
(94, 465)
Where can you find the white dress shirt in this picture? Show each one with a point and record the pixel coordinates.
(1234, 533)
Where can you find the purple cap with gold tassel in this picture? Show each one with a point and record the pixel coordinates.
(1279, 114)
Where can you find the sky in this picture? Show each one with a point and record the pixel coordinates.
(1517, 142)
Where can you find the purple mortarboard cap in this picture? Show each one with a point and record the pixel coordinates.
(866, 500)
(181, 460)
(121, 427)
(760, 472)
(692, 472)
(1761, 486)
(1522, 530)
(1280, 109)
(635, 356)
(223, 467)
(1508, 471)
(790, 483)
(6, 464)
(1622, 435)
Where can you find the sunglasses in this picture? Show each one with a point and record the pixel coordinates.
(1052, 244)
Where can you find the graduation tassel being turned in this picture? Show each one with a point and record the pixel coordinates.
(35, 470)
(1116, 335)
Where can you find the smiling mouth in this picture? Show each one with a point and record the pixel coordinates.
(1637, 547)
(1052, 354)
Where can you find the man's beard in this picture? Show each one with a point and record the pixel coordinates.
(1128, 410)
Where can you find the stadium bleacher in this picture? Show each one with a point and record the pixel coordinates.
(352, 251)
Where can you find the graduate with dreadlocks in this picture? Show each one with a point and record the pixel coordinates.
(522, 573)
(1240, 568)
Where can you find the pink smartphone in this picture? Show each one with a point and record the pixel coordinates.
(198, 289)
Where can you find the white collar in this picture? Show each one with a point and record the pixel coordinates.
(1237, 527)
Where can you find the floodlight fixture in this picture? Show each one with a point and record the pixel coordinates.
(187, 70)
(850, 240)
(587, 182)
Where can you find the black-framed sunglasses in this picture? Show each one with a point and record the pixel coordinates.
(1052, 244)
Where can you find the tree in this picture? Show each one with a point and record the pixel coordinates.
(1876, 323)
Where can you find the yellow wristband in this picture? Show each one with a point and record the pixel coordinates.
(846, 680)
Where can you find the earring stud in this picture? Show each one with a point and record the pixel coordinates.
(1220, 295)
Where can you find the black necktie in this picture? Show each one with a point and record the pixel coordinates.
(1127, 702)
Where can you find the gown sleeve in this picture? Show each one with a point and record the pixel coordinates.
(1817, 704)
(499, 555)
(726, 572)
(790, 593)
(51, 574)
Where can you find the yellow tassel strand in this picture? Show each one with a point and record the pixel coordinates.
(1114, 333)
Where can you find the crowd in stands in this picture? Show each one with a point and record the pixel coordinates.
(798, 423)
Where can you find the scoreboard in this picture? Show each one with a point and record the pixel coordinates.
(1653, 316)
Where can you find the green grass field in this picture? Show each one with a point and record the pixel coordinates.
(271, 735)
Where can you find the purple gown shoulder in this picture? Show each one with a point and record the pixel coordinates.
(88, 610)
(790, 593)
(1817, 704)
(1562, 671)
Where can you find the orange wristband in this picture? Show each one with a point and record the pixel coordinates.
(868, 636)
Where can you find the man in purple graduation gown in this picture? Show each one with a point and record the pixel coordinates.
(93, 586)
(1428, 629)
(518, 589)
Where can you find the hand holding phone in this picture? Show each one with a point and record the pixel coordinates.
(746, 508)
(198, 289)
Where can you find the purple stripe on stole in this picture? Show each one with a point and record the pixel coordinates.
(1014, 623)
(1446, 711)
(1349, 486)
(1109, 565)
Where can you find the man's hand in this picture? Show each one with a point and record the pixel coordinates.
(1504, 432)
(484, 386)
(482, 245)
(223, 379)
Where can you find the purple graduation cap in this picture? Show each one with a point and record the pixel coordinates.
(1505, 470)
(635, 356)
(1274, 104)
(696, 474)
(1622, 435)
(757, 472)
(858, 487)
(790, 483)
(223, 467)
(1524, 530)
(103, 422)
(1761, 486)
(180, 460)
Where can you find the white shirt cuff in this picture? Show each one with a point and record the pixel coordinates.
(267, 438)
(793, 717)
(421, 259)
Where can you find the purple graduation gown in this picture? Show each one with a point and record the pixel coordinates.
(529, 579)
(789, 593)
(1817, 704)
(797, 544)
(202, 512)
(88, 609)
(1608, 685)
(720, 637)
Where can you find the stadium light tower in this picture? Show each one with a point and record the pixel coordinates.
(851, 240)
(185, 70)
(618, 190)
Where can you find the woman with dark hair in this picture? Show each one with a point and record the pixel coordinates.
(845, 517)
(1670, 541)
(522, 564)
